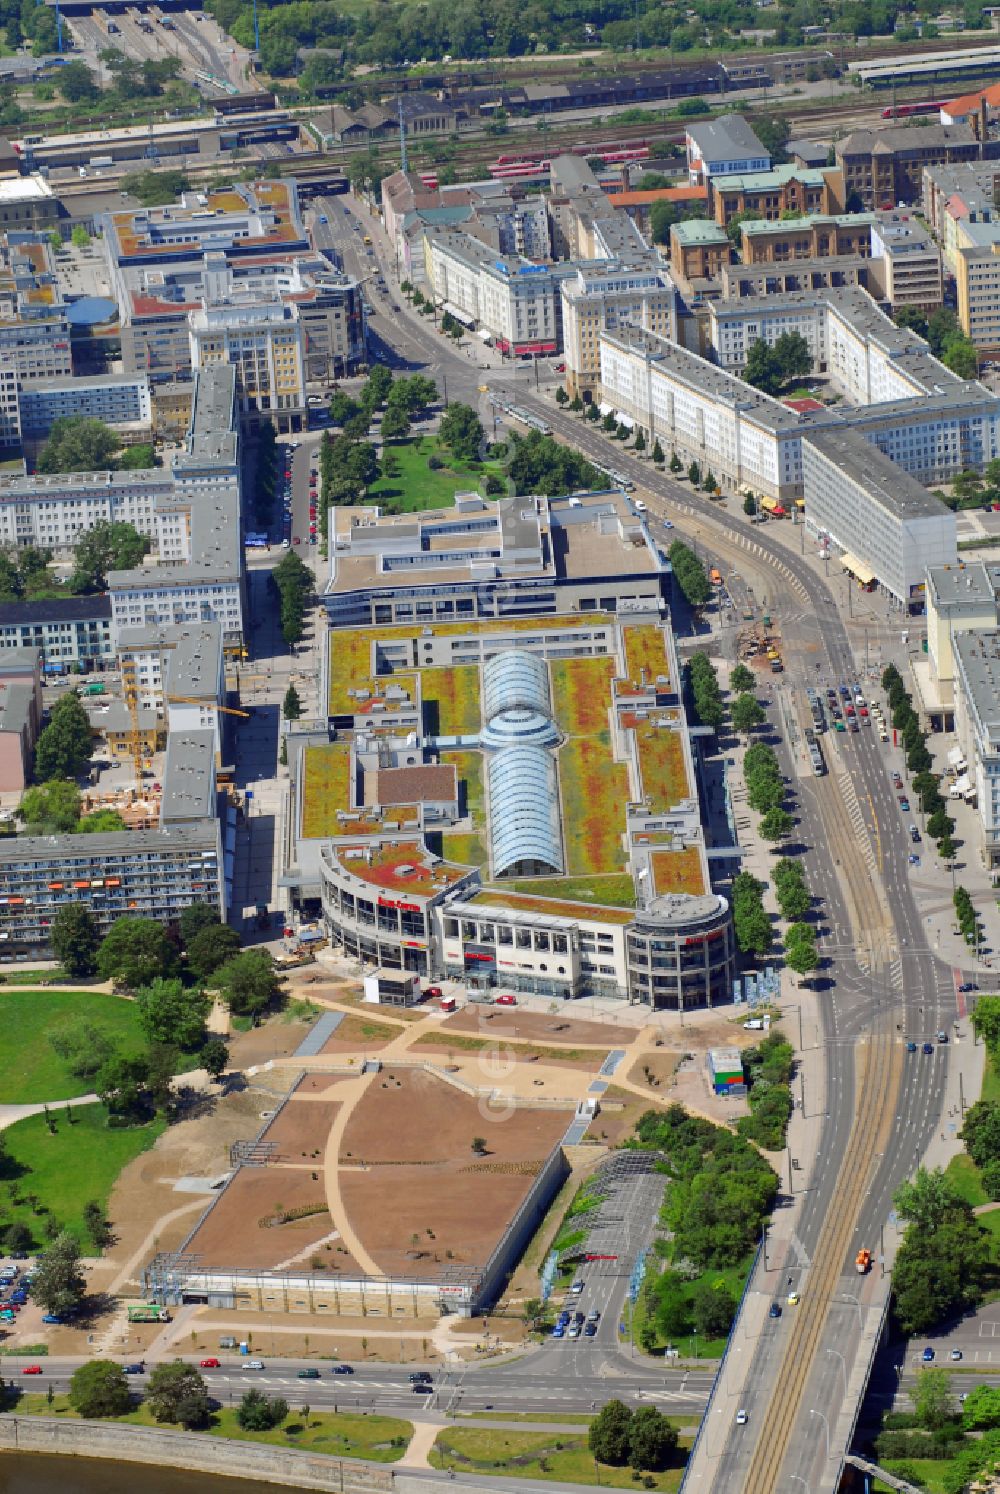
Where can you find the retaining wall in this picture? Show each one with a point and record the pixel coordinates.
(168, 1449)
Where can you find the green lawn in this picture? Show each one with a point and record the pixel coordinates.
(693, 1346)
(342, 1434)
(561, 1457)
(614, 891)
(33, 1071)
(963, 1174)
(417, 485)
(991, 1081)
(64, 1170)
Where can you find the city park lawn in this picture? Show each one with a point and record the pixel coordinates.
(563, 1457)
(33, 1071)
(342, 1434)
(417, 485)
(77, 1161)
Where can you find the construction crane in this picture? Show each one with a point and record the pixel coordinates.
(130, 690)
(192, 700)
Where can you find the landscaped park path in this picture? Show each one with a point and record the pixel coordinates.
(10, 1114)
(349, 1093)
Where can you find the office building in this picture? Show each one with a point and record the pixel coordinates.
(518, 556)
(882, 167)
(890, 529)
(264, 343)
(515, 302)
(771, 194)
(20, 715)
(723, 147)
(909, 262)
(817, 236)
(699, 250)
(602, 297)
(231, 275)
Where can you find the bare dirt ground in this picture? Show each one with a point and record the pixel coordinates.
(362, 1035)
(277, 1038)
(589, 1059)
(300, 1131)
(236, 1232)
(655, 1072)
(493, 1021)
(144, 1192)
(432, 1203)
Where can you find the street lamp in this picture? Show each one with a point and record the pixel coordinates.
(826, 1427)
(843, 1366)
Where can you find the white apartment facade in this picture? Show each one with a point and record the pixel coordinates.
(747, 439)
(890, 529)
(977, 726)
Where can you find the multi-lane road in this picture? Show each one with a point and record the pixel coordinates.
(885, 985)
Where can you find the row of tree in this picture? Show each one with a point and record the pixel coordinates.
(690, 574)
(919, 761)
(766, 792)
(969, 922)
(643, 1439)
(704, 692)
(294, 581)
(768, 1069)
(751, 922)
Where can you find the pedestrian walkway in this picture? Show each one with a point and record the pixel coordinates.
(11, 1114)
(317, 1037)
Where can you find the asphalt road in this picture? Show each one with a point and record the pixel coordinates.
(914, 994)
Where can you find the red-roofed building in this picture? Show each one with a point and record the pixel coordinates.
(968, 108)
(638, 205)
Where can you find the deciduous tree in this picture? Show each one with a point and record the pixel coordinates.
(99, 1388)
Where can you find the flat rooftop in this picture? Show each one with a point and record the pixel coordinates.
(979, 656)
(880, 477)
(970, 584)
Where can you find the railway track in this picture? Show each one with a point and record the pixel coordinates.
(877, 1075)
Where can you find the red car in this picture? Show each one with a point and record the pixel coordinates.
(506, 1000)
(210, 1364)
(32, 1369)
(296, 540)
(432, 992)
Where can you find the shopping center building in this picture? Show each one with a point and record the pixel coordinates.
(513, 802)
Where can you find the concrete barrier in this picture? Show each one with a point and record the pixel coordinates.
(168, 1449)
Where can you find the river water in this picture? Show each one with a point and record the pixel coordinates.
(37, 1473)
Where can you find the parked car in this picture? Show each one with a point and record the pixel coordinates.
(574, 1330)
(559, 1331)
(506, 1000)
(51, 1317)
(928, 1355)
